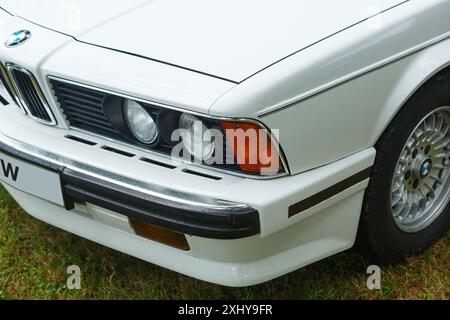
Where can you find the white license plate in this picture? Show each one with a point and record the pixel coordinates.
(31, 179)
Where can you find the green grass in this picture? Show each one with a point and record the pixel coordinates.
(34, 258)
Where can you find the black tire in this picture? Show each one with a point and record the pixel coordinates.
(378, 233)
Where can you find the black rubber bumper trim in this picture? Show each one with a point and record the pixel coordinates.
(326, 194)
(183, 218)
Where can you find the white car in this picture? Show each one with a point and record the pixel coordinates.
(232, 141)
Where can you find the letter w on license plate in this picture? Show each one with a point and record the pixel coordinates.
(31, 179)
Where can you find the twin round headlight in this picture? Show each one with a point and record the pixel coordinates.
(140, 122)
(196, 137)
(157, 128)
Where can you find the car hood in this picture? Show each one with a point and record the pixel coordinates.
(230, 39)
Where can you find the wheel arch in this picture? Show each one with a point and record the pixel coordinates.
(422, 68)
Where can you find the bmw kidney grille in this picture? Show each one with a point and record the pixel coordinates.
(27, 93)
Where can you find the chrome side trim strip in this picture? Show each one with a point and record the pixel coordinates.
(332, 85)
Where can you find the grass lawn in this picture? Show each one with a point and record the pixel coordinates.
(34, 258)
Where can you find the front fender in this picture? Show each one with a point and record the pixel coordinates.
(337, 97)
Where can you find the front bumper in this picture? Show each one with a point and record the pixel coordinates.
(180, 212)
(284, 242)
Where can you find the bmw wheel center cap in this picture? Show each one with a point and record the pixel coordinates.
(425, 169)
(18, 38)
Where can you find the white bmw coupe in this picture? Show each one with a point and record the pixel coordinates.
(233, 141)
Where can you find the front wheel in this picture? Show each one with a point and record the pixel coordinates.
(406, 206)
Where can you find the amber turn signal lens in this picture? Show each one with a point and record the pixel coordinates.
(253, 148)
(161, 235)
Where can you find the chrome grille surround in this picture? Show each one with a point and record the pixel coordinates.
(28, 94)
(6, 81)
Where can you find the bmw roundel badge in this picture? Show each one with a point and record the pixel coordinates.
(18, 38)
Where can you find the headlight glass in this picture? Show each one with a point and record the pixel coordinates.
(140, 122)
(197, 139)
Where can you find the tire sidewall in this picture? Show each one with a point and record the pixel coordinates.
(386, 236)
